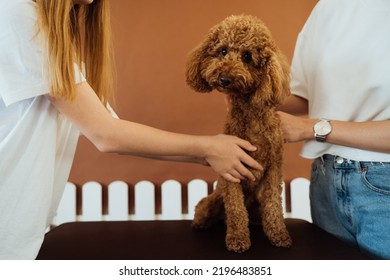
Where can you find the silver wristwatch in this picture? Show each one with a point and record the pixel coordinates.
(322, 129)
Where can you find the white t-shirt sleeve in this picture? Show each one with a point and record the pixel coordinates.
(23, 60)
(22, 72)
(299, 80)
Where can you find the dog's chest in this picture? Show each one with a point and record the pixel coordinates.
(254, 127)
(261, 129)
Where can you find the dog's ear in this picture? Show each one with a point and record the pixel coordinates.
(194, 67)
(279, 77)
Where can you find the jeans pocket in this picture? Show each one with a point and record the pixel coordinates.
(377, 178)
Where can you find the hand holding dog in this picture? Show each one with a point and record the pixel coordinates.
(296, 128)
(229, 159)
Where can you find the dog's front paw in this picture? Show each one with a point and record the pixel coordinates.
(282, 239)
(237, 243)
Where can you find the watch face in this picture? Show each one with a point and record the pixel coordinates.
(322, 128)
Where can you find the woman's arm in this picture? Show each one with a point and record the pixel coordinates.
(222, 152)
(294, 105)
(372, 136)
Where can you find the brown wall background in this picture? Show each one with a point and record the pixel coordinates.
(151, 41)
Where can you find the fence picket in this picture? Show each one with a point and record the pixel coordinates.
(171, 201)
(197, 189)
(92, 206)
(144, 201)
(284, 202)
(118, 201)
(300, 203)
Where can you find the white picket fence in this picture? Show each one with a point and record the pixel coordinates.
(118, 206)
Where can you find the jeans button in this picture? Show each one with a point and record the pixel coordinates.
(339, 160)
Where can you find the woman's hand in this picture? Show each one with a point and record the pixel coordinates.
(295, 128)
(226, 155)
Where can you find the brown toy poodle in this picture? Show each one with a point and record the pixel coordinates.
(239, 58)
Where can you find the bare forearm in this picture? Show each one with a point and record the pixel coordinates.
(372, 136)
(294, 105)
(139, 140)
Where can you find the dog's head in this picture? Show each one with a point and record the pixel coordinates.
(239, 57)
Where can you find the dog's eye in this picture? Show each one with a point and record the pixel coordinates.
(223, 52)
(247, 57)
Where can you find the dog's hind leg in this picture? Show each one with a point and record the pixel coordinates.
(208, 211)
(237, 221)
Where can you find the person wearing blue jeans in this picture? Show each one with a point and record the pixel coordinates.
(340, 107)
(350, 199)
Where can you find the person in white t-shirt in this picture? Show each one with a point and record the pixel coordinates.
(341, 80)
(46, 101)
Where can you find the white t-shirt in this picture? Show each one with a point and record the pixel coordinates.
(37, 145)
(341, 65)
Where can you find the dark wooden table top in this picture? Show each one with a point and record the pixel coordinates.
(176, 240)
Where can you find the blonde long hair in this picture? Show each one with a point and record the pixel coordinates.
(75, 34)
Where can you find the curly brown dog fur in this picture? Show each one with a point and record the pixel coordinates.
(240, 58)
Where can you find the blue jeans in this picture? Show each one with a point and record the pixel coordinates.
(351, 200)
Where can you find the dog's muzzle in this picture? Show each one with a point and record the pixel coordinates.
(225, 81)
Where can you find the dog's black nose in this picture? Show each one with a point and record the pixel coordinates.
(225, 81)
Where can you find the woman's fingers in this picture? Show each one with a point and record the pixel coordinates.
(230, 178)
(228, 156)
(246, 159)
